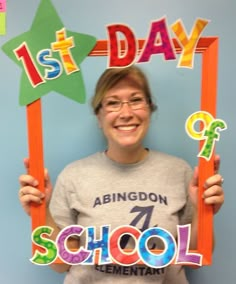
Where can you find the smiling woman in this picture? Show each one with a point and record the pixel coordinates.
(126, 185)
(123, 105)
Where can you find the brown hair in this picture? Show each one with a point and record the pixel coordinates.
(112, 76)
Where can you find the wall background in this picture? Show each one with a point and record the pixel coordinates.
(70, 129)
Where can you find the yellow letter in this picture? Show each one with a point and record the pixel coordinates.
(188, 43)
(63, 45)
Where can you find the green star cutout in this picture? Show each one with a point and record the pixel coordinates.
(40, 36)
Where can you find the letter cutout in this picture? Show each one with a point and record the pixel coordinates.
(101, 245)
(23, 53)
(152, 46)
(118, 254)
(50, 254)
(117, 56)
(64, 253)
(207, 131)
(157, 260)
(63, 45)
(45, 59)
(189, 44)
(183, 255)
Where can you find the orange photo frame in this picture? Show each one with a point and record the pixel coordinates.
(208, 48)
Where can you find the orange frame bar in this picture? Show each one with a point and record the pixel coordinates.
(208, 47)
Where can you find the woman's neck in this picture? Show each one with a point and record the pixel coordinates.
(127, 156)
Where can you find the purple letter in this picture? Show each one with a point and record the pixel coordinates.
(152, 46)
(183, 256)
(64, 253)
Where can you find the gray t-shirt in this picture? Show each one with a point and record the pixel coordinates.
(96, 191)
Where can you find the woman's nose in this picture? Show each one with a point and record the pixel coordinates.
(126, 110)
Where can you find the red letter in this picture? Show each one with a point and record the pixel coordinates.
(121, 257)
(29, 65)
(152, 46)
(119, 57)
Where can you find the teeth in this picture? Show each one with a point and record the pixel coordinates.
(126, 128)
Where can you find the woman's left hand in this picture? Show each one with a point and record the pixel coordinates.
(213, 193)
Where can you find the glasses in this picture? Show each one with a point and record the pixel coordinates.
(112, 104)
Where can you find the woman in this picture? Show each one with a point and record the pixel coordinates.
(127, 184)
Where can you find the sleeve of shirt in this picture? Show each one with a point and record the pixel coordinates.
(61, 202)
(185, 216)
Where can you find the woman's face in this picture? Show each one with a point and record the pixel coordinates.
(126, 128)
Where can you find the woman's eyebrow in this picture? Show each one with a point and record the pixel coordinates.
(118, 97)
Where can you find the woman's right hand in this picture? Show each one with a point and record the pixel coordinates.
(29, 193)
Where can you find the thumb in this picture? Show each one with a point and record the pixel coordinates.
(216, 163)
(26, 164)
(47, 179)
